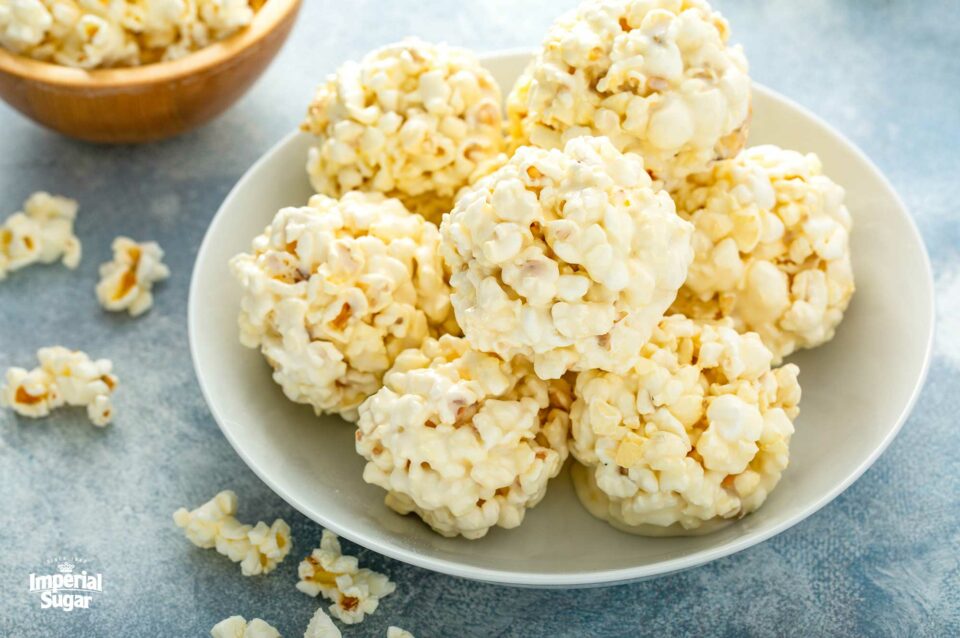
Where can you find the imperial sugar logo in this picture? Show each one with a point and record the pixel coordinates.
(70, 587)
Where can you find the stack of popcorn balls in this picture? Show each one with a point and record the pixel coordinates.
(601, 270)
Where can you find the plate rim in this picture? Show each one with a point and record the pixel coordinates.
(590, 578)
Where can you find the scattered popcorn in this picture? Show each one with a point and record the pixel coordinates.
(41, 233)
(64, 377)
(396, 632)
(462, 438)
(655, 76)
(412, 120)
(772, 248)
(359, 595)
(568, 258)
(696, 434)
(319, 571)
(321, 627)
(98, 33)
(238, 627)
(127, 281)
(354, 592)
(335, 290)
(258, 548)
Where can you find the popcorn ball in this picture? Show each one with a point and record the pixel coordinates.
(655, 76)
(126, 283)
(697, 434)
(568, 258)
(238, 627)
(64, 377)
(355, 592)
(258, 549)
(98, 33)
(335, 290)
(462, 438)
(41, 233)
(412, 120)
(772, 245)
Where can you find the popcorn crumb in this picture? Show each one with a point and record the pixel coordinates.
(412, 120)
(354, 591)
(87, 34)
(462, 438)
(41, 233)
(321, 627)
(568, 258)
(64, 377)
(657, 77)
(335, 290)
(258, 549)
(127, 281)
(238, 627)
(697, 434)
(772, 245)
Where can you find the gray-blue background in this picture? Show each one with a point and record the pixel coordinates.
(881, 560)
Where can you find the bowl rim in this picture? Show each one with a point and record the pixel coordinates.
(593, 578)
(265, 20)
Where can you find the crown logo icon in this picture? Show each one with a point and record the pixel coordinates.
(65, 567)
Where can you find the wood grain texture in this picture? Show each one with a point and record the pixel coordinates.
(151, 102)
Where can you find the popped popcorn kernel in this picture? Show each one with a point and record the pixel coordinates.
(568, 258)
(321, 627)
(657, 77)
(126, 283)
(64, 377)
(258, 549)
(772, 246)
(41, 233)
(319, 571)
(396, 632)
(335, 290)
(91, 34)
(238, 627)
(412, 120)
(354, 591)
(696, 435)
(359, 594)
(463, 439)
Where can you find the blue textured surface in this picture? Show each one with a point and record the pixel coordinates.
(882, 560)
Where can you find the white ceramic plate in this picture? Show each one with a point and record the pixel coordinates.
(857, 390)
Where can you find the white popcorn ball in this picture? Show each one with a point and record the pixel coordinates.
(568, 258)
(462, 438)
(412, 120)
(696, 435)
(772, 248)
(655, 76)
(126, 283)
(238, 627)
(335, 290)
(41, 233)
(112, 33)
(257, 548)
(321, 626)
(64, 377)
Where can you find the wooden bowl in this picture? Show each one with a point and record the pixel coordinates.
(150, 102)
